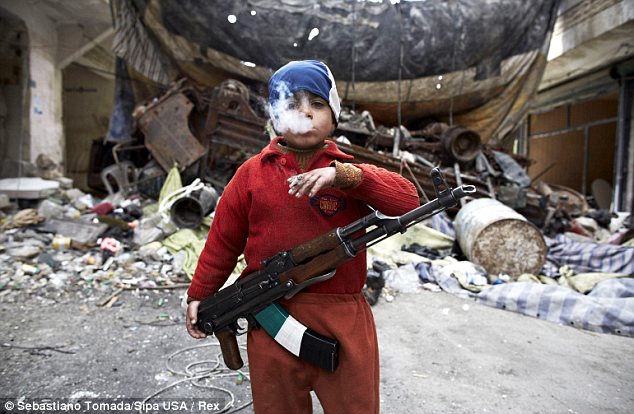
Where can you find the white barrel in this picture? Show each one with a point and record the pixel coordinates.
(499, 239)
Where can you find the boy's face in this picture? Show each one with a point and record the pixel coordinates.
(317, 110)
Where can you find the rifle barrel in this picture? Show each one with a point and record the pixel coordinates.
(388, 226)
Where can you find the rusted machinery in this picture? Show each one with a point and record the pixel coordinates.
(165, 125)
(233, 131)
(419, 174)
(448, 143)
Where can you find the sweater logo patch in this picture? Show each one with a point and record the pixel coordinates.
(328, 204)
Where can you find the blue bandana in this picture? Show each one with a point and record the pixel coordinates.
(304, 75)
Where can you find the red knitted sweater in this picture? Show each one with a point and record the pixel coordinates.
(257, 216)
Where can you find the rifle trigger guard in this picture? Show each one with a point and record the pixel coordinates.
(239, 329)
(309, 282)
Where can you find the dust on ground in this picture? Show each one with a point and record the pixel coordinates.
(439, 354)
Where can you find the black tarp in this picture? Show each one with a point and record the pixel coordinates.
(490, 53)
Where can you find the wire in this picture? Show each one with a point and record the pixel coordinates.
(453, 68)
(397, 135)
(354, 51)
(194, 376)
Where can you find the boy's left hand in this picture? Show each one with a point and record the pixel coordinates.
(190, 320)
(309, 183)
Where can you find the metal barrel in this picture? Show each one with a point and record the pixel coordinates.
(499, 239)
(189, 212)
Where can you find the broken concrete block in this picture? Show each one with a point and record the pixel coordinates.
(28, 187)
(73, 194)
(50, 209)
(24, 252)
(64, 182)
(79, 231)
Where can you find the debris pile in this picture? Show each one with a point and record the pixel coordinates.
(145, 223)
(72, 245)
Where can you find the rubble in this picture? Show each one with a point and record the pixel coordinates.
(62, 256)
(147, 230)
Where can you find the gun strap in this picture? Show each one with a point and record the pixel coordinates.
(298, 339)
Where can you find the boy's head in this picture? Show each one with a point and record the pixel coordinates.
(295, 93)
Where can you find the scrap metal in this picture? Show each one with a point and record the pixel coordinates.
(421, 173)
(215, 130)
(232, 125)
(165, 125)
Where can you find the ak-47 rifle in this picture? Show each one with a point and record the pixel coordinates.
(314, 261)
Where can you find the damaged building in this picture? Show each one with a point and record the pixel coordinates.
(122, 121)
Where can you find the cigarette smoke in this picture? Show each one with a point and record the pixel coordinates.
(286, 119)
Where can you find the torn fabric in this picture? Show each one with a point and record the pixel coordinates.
(133, 43)
(452, 67)
(120, 127)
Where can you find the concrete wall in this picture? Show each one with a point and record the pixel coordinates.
(14, 75)
(581, 21)
(87, 106)
(44, 92)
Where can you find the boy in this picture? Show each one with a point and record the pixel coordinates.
(296, 189)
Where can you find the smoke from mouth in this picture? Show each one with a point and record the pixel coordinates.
(283, 115)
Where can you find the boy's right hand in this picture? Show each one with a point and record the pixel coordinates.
(190, 321)
(309, 183)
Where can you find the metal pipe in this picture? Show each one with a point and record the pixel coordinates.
(575, 128)
(586, 148)
(622, 143)
(354, 50)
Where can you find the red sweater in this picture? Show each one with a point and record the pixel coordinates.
(257, 216)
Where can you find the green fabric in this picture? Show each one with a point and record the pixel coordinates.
(272, 318)
(527, 277)
(172, 183)
(585, 282)
(458, 273)
(207, 222)
(547, 280)
(447, 260)
(389, 250)
(186, 240)
(240, 266)
(150, 209)
(462, 279)
(566, 272)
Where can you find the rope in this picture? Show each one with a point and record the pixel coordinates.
(397, 134)
(195, 375)
(354, 51)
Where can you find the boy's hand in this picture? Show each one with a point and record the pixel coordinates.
(311, 182)
(190, 320)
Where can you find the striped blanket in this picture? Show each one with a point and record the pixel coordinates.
(587, 257)
(608, 307)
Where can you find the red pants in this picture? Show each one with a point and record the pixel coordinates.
(281, 382)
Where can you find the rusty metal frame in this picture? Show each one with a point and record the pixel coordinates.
(167, 134)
